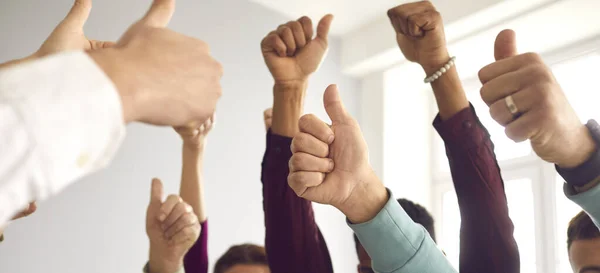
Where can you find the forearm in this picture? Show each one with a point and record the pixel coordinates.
(481, 196)
(292, 238)
(288, 103)
(191, 189)
(448, 90)
(397, 244)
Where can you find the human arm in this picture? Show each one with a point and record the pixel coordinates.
(486, 234)
(293, 240)
(172, 228)
(330, 165)
(582, 182)
(63, 115)
(191, 190)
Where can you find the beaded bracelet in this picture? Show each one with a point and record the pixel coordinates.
(441, 71)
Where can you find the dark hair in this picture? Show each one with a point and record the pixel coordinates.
(581, 227)
(417, 213)
(246, 254)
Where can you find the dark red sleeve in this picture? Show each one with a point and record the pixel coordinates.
(196, 260)
(293, 240)
(486, 232)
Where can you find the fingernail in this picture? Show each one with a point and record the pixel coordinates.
(330, 139)
(162, 217)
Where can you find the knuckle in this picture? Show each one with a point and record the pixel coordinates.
(482, 75)
(296, 160)
(295, 25)
(484, 93)
(512, 134)
(391, 12)
(219, 68)
(532, 57)
(305, 120)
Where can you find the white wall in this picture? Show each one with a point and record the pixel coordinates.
(97, 225)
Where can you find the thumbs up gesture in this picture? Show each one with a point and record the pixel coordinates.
(292, 53)
(420, 34)
(163, 77)
(330, 164)
(68, 35)
(172, 228)
(525, 98)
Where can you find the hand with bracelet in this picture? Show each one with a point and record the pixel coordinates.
(476, 177)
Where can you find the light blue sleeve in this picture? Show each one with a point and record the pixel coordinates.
(396, 244)
(588, 201)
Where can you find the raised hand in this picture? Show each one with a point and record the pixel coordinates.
(268, 117)
(164, 78)
(172, 228)
(420, 34)
(525, 98)
(68, 35)
(195, 136)
(330, 164)
(291, 53)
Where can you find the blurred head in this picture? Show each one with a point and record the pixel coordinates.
(416, 212)
(246, 258)
(583, 242)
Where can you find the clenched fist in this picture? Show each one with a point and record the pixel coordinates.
(172, 228)
(330, 164)
(420, 34)
(525, 98)
(291, 53)
(195, 136)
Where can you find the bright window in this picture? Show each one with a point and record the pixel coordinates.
(540, 220)
(520, 200)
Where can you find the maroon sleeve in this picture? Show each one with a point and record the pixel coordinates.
(293, 240)
(486, 232)
(196, 260)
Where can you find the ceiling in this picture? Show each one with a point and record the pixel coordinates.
(349, 14)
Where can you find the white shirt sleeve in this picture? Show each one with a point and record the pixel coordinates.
(60, 119)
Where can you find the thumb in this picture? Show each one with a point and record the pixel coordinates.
(156, 194)
(323, 27)
(160, 13)
(505, 45)
(78, 14)
(334, 106)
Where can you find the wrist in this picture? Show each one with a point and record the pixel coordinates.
(586, 149)
(108, 61)
(194, 146)
(433, 64)
(366, 201)
(158, 263)
(291, 86)
(288, 104)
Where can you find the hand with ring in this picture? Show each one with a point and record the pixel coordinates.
(526, 99)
